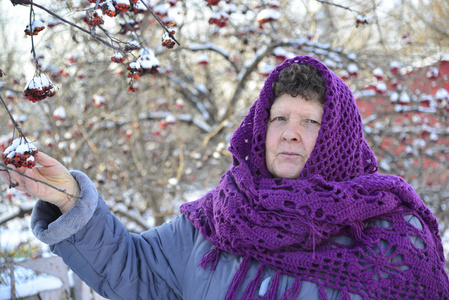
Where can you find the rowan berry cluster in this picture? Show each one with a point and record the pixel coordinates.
(20, 154)
(36, 27)
(122, 5)
(267, 15)
(118, 58)
(114, 7)
(212, 2)
(98, 100)
(94, 19)
(134, 69)
(148, 62)
(219, 18)
(39, 88)
(361, 20)
(132, 45)
(167, 41)
(108, 9)
(129, 25)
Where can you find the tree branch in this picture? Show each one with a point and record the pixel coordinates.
(18, 213)
(427, 22)
(27, 2)
(338, 5)
(7, 169)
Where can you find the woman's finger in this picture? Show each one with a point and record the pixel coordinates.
(45, 160)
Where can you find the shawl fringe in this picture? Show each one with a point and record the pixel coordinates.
(356, 230)
(345, 295)
(274, 286)
(237, 280)
(293, 292)
(210, 257)
(322, 292)
(248, 294)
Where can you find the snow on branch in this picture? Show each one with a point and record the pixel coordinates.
(210, 47)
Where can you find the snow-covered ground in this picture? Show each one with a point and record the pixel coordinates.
(28, 283)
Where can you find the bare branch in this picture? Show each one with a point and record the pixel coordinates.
(136, 219)
(36, 180)
(209, 47)
(26, 2)
(338, 5)
(20, 212)
(159, 21)
(425, 20)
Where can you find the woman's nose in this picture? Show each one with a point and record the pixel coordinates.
(291, 132)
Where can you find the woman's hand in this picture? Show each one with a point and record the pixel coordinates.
(51, 172)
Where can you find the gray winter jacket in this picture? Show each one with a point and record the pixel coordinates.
(162, 263)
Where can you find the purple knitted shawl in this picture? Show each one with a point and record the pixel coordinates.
(290, 225)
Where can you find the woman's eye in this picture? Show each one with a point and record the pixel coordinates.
(312, 121)
(278, 119)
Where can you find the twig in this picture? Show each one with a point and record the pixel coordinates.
(160, 21)
(214, 132)
(181, 161)
(441, 30)
(20, 213)
(16, 126)
(338, 5)
(27, 2)
(32, 37)
(36, 180)
(141, 222)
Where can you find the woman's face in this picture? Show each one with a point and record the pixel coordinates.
(292, 131)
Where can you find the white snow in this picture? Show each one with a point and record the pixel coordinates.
(39, 82)
(352, 56)
(203, 58)
(352, 68)
(33, 287)
(133, 43)
(60, 113)
(395, 64)
(433, 72)
(268, 14)
(404, 97)
(118, 55)
(20, 145)
(381, 87)
(134, 65)
(362, 19)
(148, 61)
(378, 72)
(35, 24)
(394, 97)
(442, 94)
(98, 100)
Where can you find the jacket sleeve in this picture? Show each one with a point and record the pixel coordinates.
(115, 263)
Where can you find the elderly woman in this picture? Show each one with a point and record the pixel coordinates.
(301, 214)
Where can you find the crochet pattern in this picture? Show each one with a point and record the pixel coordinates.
(290, 225)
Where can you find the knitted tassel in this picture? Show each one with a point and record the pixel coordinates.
(238, 278)
(211, 256)
(293, 292)
(345, 295)
(356, 230)
(322, 292)
(252, 286)
(274, 286)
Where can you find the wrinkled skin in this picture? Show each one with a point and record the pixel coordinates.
(51, 172)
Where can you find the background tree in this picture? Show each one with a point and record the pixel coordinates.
(156, 137)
